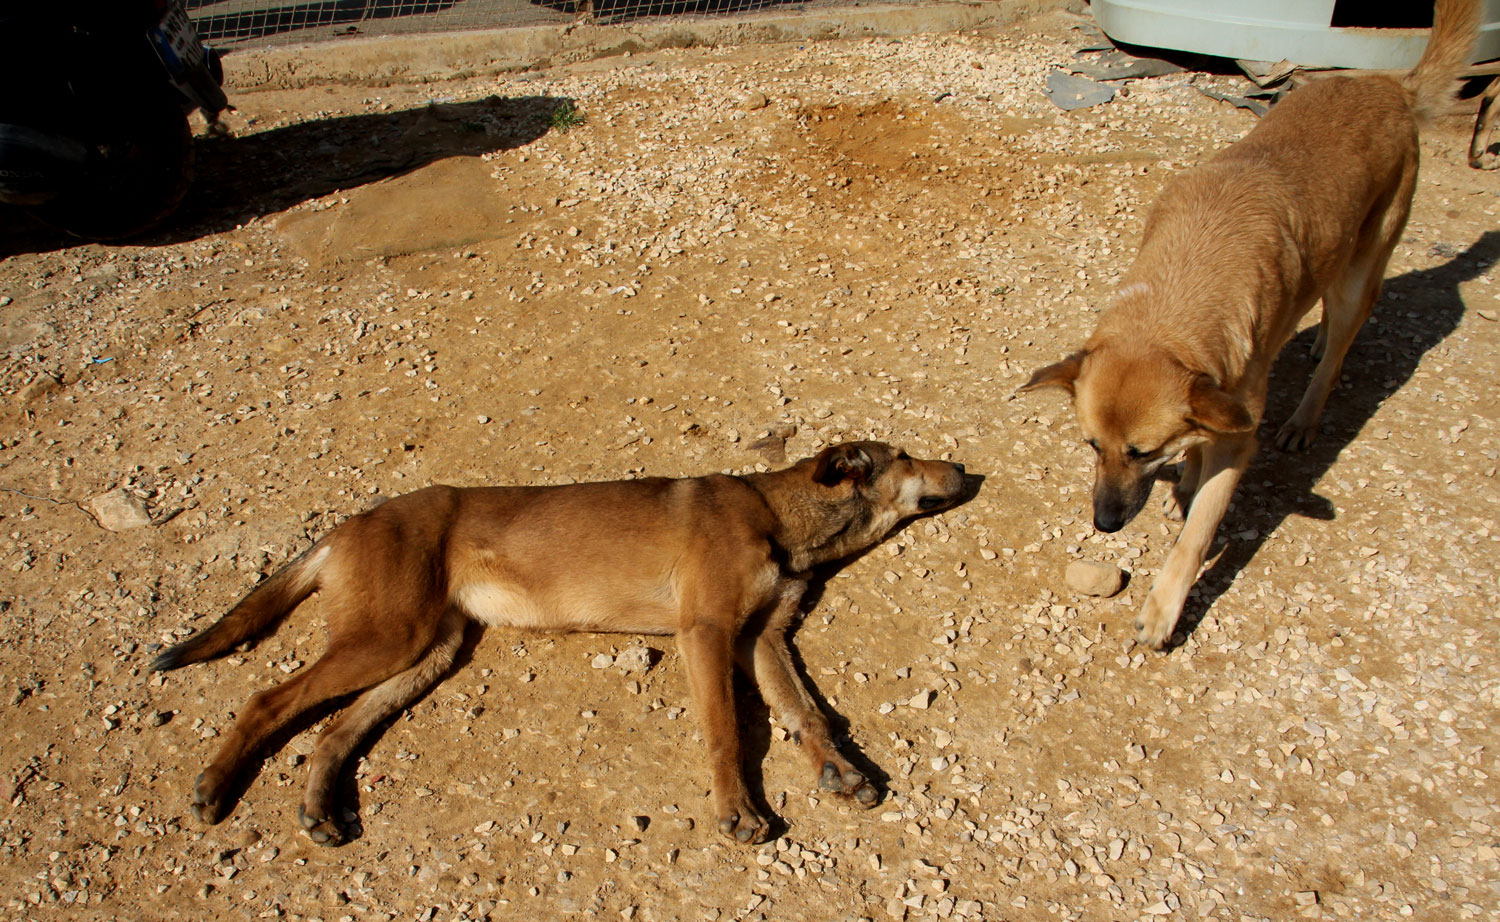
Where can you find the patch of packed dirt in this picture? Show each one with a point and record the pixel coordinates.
(377, 289)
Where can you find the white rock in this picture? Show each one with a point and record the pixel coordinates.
(119, 510)
(634, 659)
(1091, 577)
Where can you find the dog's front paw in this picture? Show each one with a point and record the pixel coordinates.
(744, 824)
(208, 796)
(849, 782)
(1155, 624)
(323, 830)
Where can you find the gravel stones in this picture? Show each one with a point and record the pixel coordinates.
(636, 658)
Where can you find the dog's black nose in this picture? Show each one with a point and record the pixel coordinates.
(959, 466)
(1110, 511)
(1109, 523)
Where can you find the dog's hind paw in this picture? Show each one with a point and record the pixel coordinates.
(744, 825)
(850, 783)
(322, 830)
(207, 802)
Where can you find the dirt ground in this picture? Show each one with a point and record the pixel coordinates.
(375, 288)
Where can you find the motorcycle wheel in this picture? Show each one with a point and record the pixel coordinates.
(136, 180)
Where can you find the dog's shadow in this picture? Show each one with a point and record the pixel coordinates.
(1417, 311)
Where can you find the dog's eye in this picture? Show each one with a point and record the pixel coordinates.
(1134, 454)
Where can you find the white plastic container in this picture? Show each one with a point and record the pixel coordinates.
(1272, 30)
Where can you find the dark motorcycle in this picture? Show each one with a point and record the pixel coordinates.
(94, 104)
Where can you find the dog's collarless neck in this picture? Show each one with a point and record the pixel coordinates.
(798, 549)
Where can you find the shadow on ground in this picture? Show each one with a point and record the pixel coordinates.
(242, 178)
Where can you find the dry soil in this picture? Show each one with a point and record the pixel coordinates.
(378, 287)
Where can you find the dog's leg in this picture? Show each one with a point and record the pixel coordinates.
(1489, 112)
(708, 652)
(1347, 305)
(357, 657)
(1224, 461)
(1320, 342)
(764, 656)
(1180, 499)
(1342, 317)
(376, 704)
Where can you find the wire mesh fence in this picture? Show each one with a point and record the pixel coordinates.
(248, 23)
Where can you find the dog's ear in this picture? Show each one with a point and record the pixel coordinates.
(1061, 374)
(1211, 407)
(838, 463)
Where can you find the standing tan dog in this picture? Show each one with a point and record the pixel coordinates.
(1309, 205)
(720, 561)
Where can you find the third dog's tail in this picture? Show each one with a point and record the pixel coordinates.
(1455, 26)
(266, 604)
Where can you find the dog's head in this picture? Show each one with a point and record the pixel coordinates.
(1137, 410)
(888, 478)
(849, 496)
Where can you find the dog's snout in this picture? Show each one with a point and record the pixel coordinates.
(960, 467)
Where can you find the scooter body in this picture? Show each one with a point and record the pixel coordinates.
(94, 104)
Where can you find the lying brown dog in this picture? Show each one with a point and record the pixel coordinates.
(720, 561)
(1309, 205)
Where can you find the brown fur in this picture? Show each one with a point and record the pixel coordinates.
(1309, 205)
(719, 561)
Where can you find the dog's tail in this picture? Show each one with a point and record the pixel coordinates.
(266, 604)
(1433, 82)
